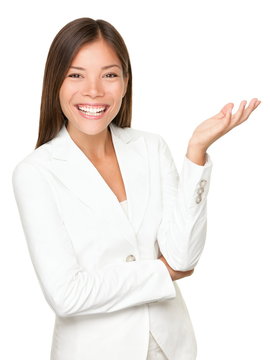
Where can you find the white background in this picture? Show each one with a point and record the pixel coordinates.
(189, 58)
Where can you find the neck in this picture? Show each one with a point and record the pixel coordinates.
(95, 147)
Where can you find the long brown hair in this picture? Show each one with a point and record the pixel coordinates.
(63, 49)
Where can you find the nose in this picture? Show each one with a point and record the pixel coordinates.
(92, 88)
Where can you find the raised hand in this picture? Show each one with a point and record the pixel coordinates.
(215, 127)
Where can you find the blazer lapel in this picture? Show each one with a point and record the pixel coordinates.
(72, 167)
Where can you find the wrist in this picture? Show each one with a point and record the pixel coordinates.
(196, 154)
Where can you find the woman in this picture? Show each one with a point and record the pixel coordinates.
(109, 223)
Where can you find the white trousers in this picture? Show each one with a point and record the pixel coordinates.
(154, 350)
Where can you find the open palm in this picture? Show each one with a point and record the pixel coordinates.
(213, 128)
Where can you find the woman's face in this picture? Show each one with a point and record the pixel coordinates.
(93, 83)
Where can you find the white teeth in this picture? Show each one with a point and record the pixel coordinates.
(91, 109)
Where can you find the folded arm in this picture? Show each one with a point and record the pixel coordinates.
(69, 288)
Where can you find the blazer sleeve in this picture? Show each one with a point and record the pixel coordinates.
(70, 289)
(182, 231)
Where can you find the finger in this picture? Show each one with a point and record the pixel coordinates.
(252, 106)
(239, 112)
(228, 114)
(224, 110)
(257, 104)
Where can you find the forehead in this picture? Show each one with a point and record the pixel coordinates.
(97, 53)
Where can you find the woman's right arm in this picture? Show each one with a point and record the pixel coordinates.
(69, 288)
(176, 275)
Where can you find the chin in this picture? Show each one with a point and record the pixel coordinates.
(93, 127)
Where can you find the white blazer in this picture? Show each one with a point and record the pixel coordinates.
(99, 269)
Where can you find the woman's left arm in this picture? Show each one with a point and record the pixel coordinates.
(182, 232)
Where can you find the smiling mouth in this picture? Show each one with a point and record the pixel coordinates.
(92, 110)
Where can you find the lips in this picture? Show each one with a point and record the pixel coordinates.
(90, 107)
(93, 111)
(92, 104)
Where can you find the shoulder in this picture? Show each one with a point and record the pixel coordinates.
(39, 157)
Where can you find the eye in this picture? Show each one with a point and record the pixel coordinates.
(110, 77)
(75, 76)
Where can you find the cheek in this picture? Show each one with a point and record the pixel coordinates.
(65, 94)
(62, 95)
(117, 90)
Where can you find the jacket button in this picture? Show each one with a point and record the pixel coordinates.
(200, 190)
(198, 199)
(203, 182)
(130, 258)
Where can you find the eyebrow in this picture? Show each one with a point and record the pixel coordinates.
(103, 68)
